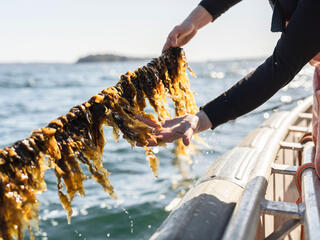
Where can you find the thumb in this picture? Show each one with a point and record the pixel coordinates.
(187, 137)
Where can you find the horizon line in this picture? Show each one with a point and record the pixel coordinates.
(75, 62)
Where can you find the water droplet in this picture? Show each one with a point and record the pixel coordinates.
(218, 75)
(162, 196)
(108, 235)
(130, 217)
(84, 212)
(54, 223)
(149, 226)
(155, 150)
(75, 212)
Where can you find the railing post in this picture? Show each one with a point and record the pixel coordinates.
(244, 222)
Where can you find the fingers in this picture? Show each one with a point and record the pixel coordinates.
(148, 121)
(151, 143)
(172, 134)
(161, 136)
(172, 40)
(168, 130)
(168, 123)
(165, 136)
(152, 140)
(180, 36)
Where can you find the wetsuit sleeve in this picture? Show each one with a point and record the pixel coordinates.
(298, 44)
(217, 7)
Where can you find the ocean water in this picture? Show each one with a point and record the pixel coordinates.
(33, 94)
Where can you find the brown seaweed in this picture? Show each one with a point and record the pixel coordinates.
(77, 138)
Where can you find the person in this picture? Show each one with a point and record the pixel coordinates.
(298, 44)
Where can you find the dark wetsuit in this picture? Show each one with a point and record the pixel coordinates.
(299, 43)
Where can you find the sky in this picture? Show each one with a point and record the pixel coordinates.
(64, 30)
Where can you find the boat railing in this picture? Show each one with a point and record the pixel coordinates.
(249, 192)
(244, 222)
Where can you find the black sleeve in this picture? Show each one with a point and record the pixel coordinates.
(298, 44)
(217, 7)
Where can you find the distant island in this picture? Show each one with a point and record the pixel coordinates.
(107, 58)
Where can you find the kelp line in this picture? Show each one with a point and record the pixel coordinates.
(77, 138)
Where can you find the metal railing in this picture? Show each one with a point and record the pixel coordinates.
(243, 224)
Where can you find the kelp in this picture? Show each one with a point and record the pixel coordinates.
(77, 139)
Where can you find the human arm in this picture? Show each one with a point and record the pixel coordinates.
(298, 44)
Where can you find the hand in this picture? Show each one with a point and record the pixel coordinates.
(184, 32)
(179, 127)
(180, 35)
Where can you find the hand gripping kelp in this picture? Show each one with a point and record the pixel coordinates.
(77, 138)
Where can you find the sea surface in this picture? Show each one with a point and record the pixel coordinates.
(33, 94)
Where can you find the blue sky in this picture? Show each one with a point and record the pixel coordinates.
(63, 30)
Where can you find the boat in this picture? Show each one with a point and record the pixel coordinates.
(250, 192)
